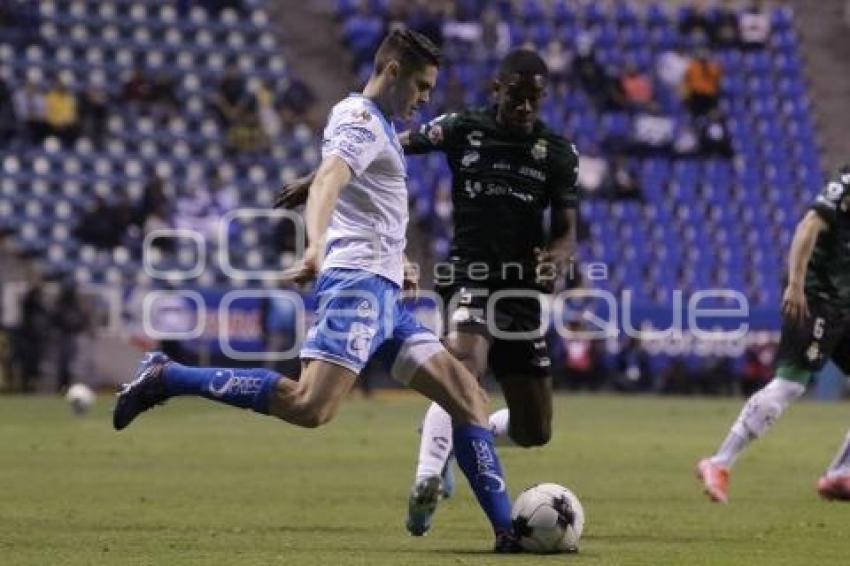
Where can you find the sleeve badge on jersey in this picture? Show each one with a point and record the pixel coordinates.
(361, 115)
(540, 150)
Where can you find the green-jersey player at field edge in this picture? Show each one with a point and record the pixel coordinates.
(816, 328)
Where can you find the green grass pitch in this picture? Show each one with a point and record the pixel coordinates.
(197, 483)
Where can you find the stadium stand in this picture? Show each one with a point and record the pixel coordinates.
(188, 48)
(693, 202)
(699, 179)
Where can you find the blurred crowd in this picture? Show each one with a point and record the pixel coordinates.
(251, 113)
(631, 93)
(631, 366)
(248, 112)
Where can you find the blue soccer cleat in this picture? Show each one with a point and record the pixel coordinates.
(145, 391)
(422, 504)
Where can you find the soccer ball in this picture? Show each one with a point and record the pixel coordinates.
(80, 397)
(548, 518)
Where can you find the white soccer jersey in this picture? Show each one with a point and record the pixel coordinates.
(367, 229)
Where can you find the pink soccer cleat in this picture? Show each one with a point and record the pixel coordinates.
(835, 487)
(715, 480)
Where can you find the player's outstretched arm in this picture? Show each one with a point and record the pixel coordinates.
(333, 174)
(794, 304)
(295, 193)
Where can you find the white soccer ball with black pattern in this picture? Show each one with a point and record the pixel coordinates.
(81, 398)
(548, 518)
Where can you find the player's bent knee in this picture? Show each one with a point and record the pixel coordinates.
(472, 402)
(469, 361)
(444, 379)
(414, 353)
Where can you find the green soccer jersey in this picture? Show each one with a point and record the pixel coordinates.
(502, 182)
(828, 272)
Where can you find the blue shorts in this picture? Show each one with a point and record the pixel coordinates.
(358, 313)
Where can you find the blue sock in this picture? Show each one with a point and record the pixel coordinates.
(477, 457)
(244, 388)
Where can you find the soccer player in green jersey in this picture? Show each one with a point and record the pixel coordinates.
(507, 168)
(816, 327)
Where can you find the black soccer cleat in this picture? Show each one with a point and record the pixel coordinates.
(146, 390)
(507, 543)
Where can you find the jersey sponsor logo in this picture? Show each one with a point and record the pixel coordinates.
(533, 173)
(355, 134)
(524, 197)
(469, 158)
(486, 464)
(350, 149)
(474, 138)
(226, 382)
(497, 190)
(360, 340)
(475, 188)
(502, 166)
(540, 150)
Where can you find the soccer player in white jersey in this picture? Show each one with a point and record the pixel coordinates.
(356, 219)
(532, 168)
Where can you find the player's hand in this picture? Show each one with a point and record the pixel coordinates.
(293, 194)
(553, 264)
(794, 304)
(411, 279)
(305, 270)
